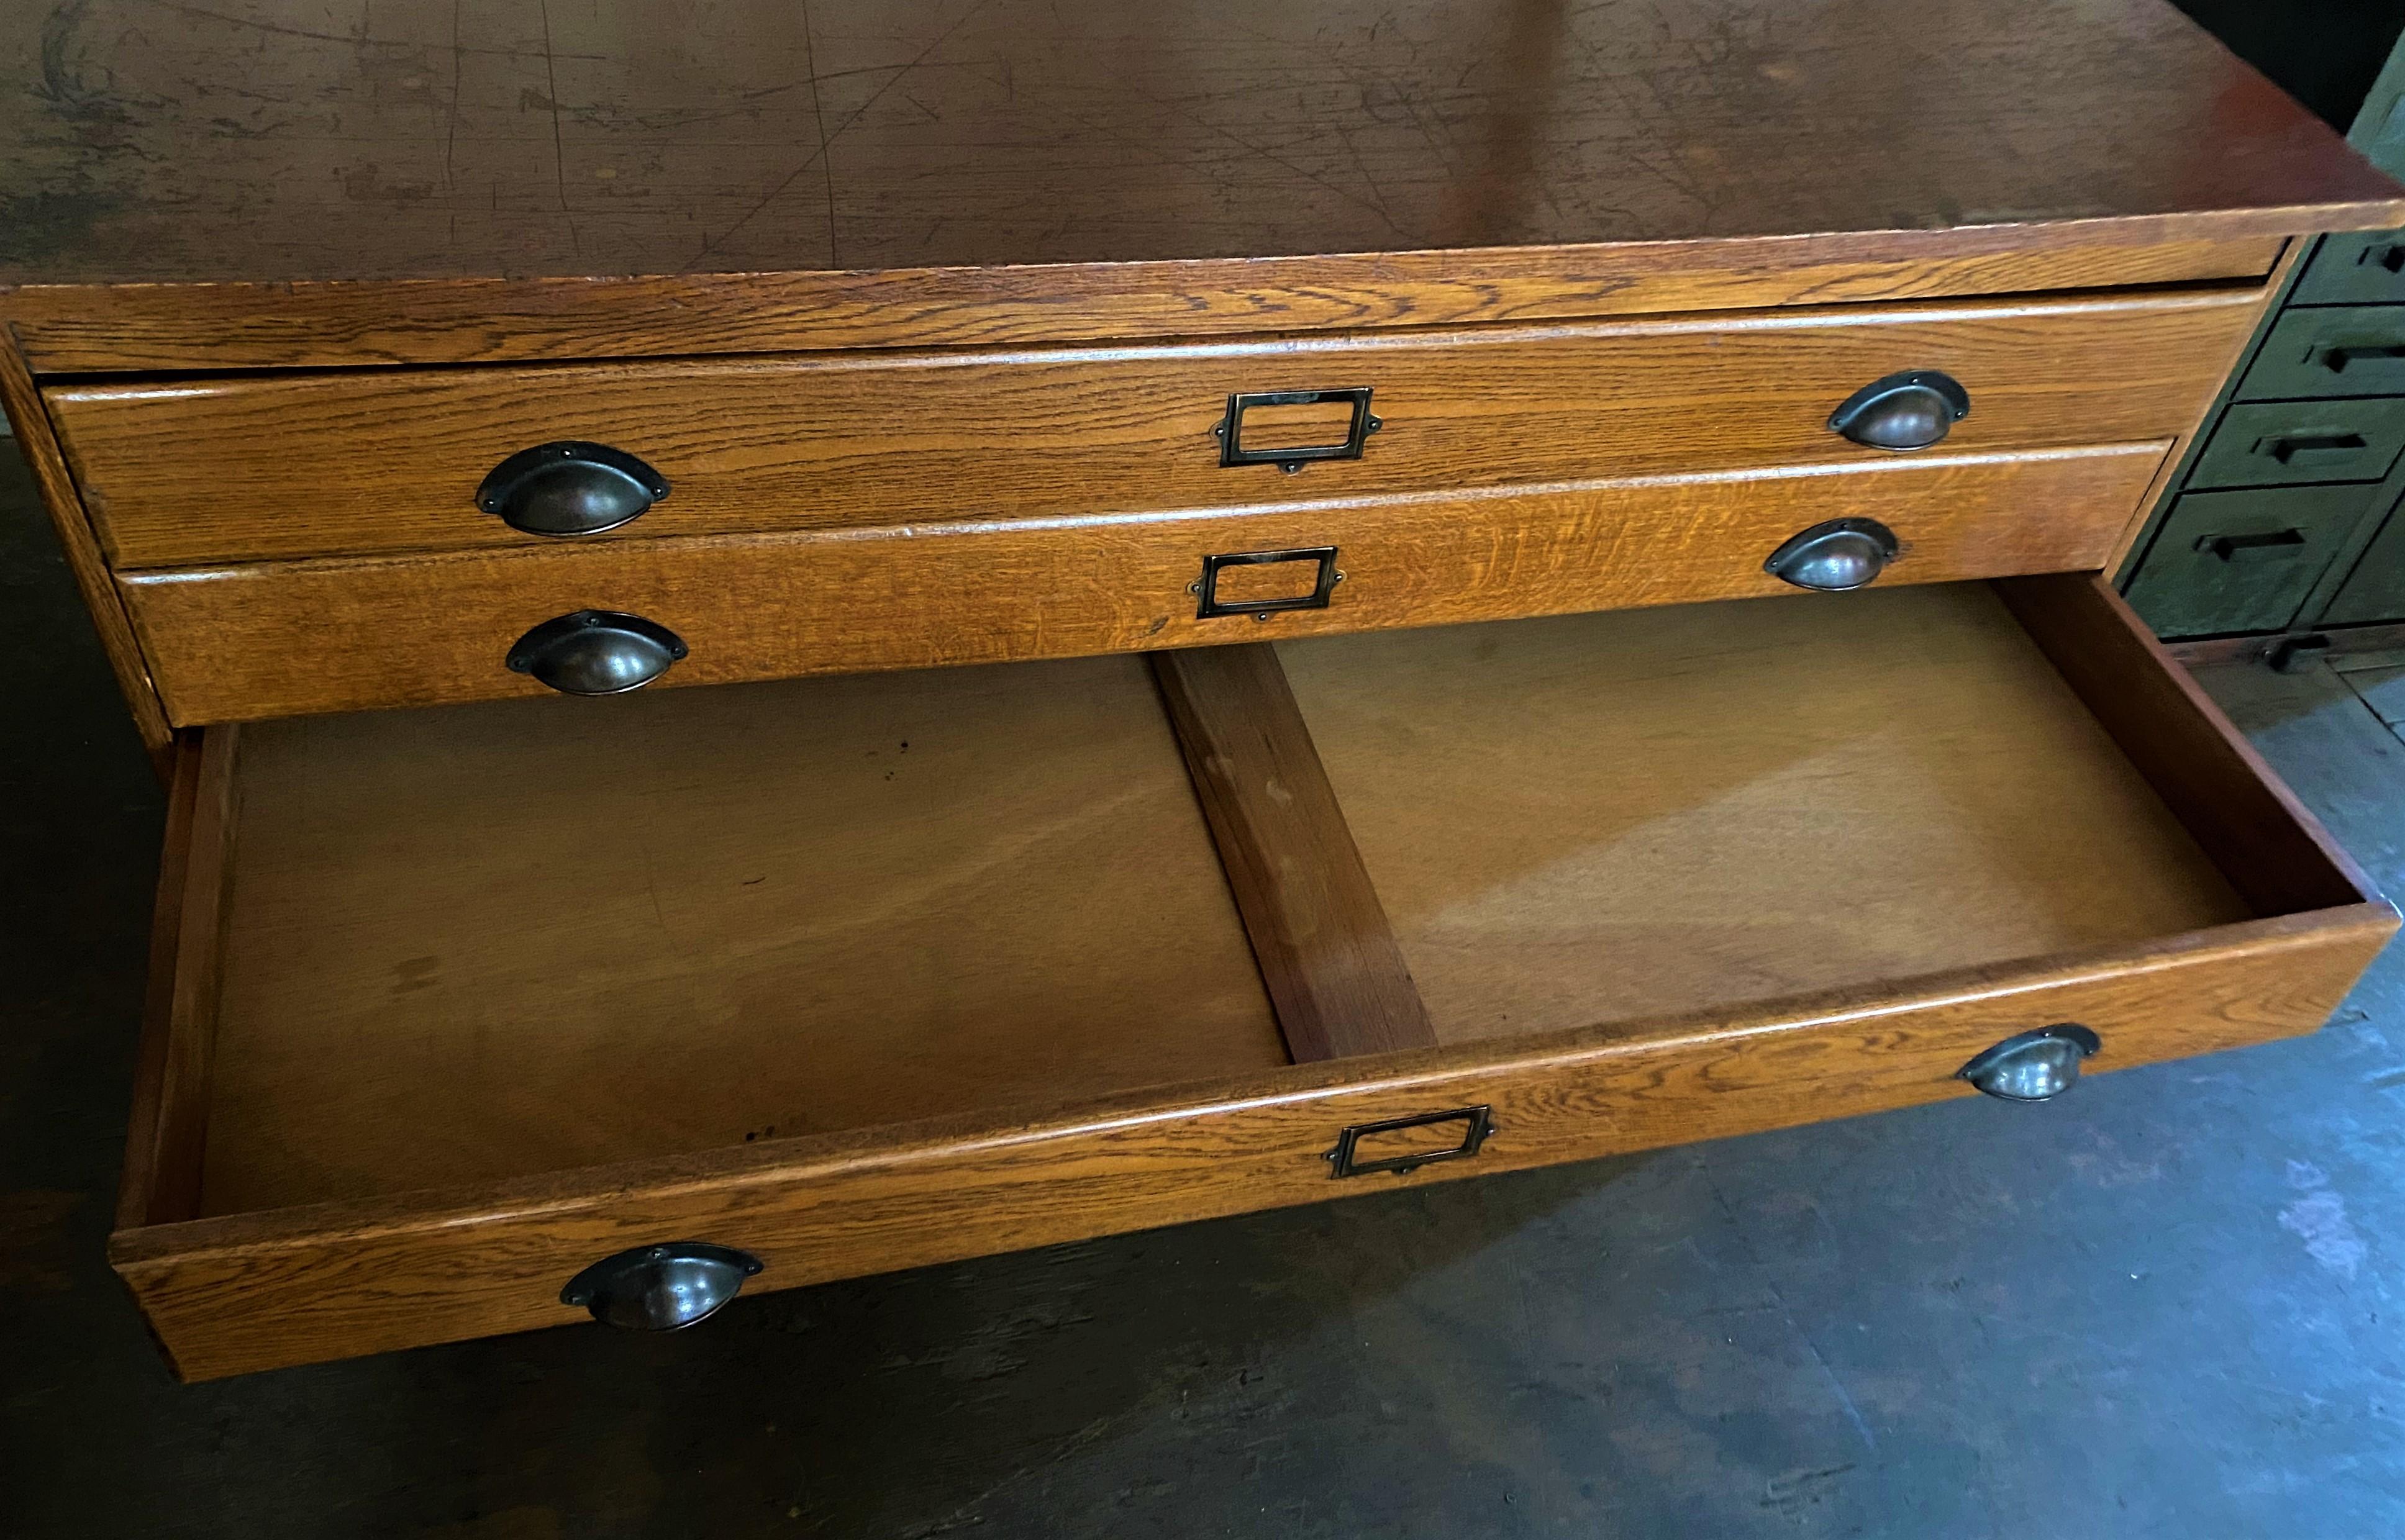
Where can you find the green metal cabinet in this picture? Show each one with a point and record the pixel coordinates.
(2374, 592)
(2244, 561)
(2365, 268)
(2321, 351)
(2284, 517)
(2296, 443)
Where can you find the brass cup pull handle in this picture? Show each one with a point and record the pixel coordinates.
(1835, 556)
(1291, 458)
(661, 1288)
(597, 652)
(570, 488)
(2033, 1066)
(1912, 410)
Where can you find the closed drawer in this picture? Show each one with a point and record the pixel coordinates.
(2244, 561)
(178, 474)
(2375, 590)
(2346, 350)
(289, 637)
(2297, 442)
(865, 973)
(2364, 267)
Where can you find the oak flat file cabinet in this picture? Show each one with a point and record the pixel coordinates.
(1236, 604)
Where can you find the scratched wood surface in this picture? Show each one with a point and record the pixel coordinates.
(465, 945)
(243, 140)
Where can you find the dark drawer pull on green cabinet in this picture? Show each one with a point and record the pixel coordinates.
(2362, 269)
(2328, 449)
(2293, 442)
(2382, 358)
(2279, 546)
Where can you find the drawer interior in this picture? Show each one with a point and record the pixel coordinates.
(476, 941)
(1598, 818)
(860, 973)
(468, 945)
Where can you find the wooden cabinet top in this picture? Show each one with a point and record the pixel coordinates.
(234, 142)
(301, 139)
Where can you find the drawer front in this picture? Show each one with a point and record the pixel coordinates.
(2375, 590)
(2301, 442)
(288, 639)
(2343, 350)
(268, 469)
(236, 1296)
(2365, 267)
(2244, 561)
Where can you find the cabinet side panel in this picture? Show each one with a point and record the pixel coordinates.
(40, 447)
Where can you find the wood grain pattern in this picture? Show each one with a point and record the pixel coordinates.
(407, 187)
(245, 1293)
(2269, 848)
(287, 638)
(30, 423)
(1326, 951)
(394, 1266)
(646, 137)
(468, 943)
(187, 473)
(166, 1132)
(1606, 818)
(160, 327)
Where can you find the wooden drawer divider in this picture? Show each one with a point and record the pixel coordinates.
(1335, 973)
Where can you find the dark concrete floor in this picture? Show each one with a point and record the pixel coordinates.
(2166, 1305)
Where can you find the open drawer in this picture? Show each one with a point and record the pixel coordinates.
(857, 973)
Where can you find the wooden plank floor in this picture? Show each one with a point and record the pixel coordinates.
(2376, 678)
(2167, 1305)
